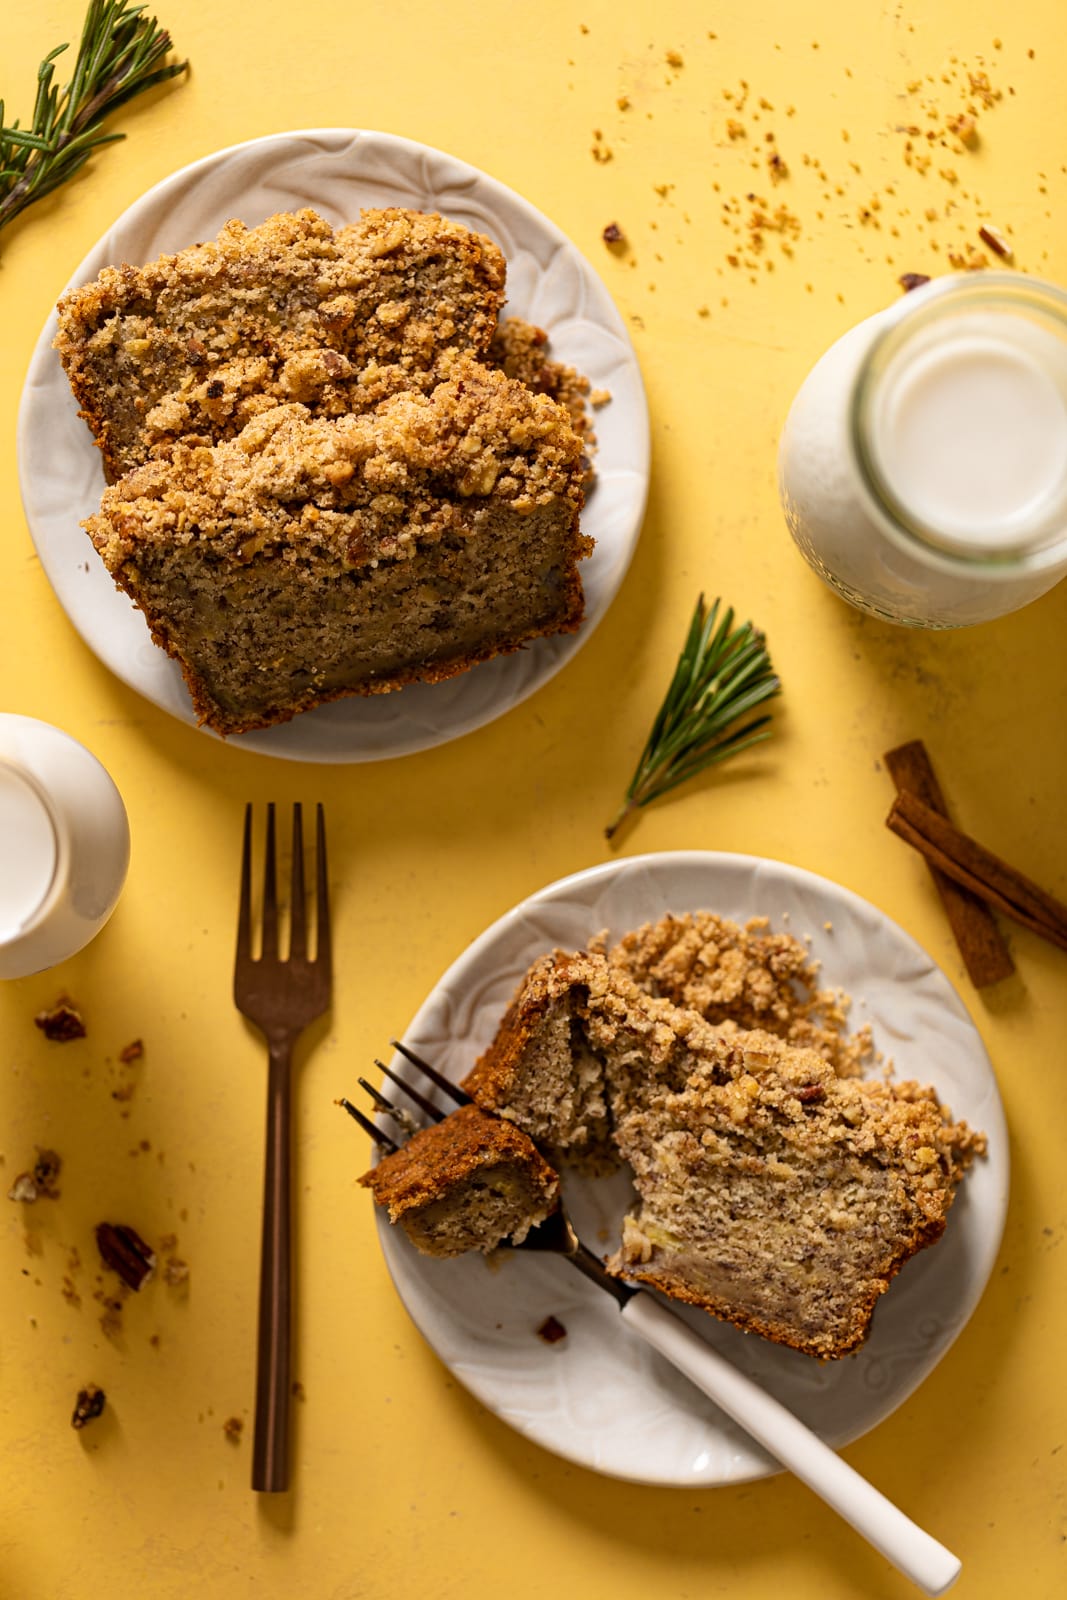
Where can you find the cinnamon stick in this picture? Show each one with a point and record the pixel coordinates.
(969, 863)
(980, 942)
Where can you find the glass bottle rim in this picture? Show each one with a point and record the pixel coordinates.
(916, 311)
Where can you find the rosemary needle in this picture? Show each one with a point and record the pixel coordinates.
(723, 673)
(120, 56)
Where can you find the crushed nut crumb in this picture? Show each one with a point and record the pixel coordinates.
(89, 1404)
(125, 1252)
(62, 1023)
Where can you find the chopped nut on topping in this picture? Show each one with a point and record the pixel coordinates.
(551, 1330)
(912, 280)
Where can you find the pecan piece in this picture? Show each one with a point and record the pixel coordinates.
(126, 1253)
(62, 1023)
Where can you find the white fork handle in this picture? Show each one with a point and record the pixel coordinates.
(913, 1552)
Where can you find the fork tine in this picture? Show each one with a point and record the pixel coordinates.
(438, 1078)
(298, 935)
(379, 1099)
(322, 893)
(382, 1140)
(244, 910)
(270, 893)
(413, 1094)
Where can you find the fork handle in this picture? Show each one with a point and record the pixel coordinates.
(913, 1552)
(270, 1454)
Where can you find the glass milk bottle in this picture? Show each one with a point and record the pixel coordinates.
(923, 465)
(64, 846)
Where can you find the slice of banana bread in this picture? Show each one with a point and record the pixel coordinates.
(200, 342)
(782, 1198)
(311, 557)
(467, 1183)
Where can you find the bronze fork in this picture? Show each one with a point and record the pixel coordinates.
(911, 1550)
(282, 996)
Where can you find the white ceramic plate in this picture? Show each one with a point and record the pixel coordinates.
(337, 171)
(601, 1397)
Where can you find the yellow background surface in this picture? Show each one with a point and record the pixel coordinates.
(403, 1485)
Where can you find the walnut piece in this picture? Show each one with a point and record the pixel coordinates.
(62, 1023)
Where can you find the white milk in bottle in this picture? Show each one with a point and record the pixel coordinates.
(923, 465)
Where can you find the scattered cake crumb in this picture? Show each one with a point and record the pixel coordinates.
(62, 1022)
(233, 1428)
(175, 1272)
(40, 1183)
(996, 241)
(89, 1404)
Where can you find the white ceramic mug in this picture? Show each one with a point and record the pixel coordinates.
(64, 846)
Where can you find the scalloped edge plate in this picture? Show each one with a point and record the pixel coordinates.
(601, 1397)
(337, 171)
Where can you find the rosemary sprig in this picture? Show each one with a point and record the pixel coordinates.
(118, 58)
(723, 673)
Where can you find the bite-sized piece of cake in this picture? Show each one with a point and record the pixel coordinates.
(311, 558)
(467, 1183)
(783, 1198)
(294, 309)
(750, 977)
